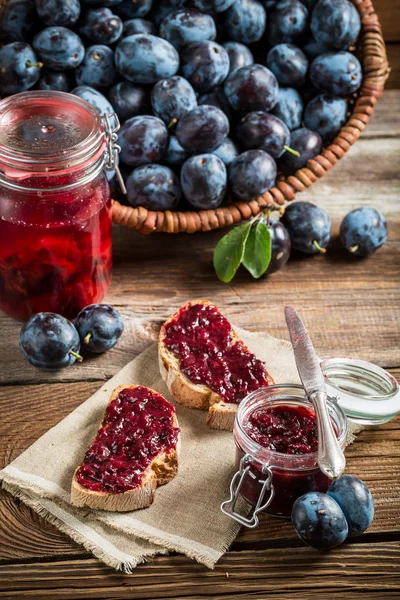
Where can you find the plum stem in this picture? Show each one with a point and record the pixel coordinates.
(33, 64)
(294, 152)
(318, 247)
(354, 248)
(172, 123)
(87, 338)
(78, 357)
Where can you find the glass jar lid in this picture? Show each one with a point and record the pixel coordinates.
(367, 393)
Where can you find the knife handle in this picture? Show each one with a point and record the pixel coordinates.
(331, 459)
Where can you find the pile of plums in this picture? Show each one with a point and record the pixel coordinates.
(215, 97)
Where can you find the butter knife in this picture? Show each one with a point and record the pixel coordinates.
(331, 459)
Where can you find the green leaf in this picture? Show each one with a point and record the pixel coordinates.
(229, 252)
(257, 253)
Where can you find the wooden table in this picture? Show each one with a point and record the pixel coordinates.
(351, 307)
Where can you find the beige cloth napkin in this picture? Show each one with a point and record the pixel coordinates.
(185, 516)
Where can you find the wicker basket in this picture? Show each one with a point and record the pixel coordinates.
(372, 54)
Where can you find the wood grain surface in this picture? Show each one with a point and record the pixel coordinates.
(350, 306)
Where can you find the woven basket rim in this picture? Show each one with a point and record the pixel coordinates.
(371, 51)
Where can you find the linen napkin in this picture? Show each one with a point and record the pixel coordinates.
(185, 516)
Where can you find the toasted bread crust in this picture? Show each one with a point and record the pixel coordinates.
(221, 415)
(162, 469)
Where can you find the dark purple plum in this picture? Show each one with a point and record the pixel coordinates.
(55, 80)
(176, 155)
(280, 245)
(145, 58)
(204, 181)
(19, 68)
(263, 131)
(127, 99)
(217, 98)
(133, 26)
(154, 187)
(161, 9)
(239, 55)
(97, 68)
(252, 174)
(289, 108)
(355, 500)
(59, 48)
(252, 88)
(337, 73)
(202, 129)
(130, 9)
(172, 98)
(227, 152)
(307, 143)
(335, 23)
(245, 21)
(101, 26)
(326, 114)
(288, 23)
(211, 6)
(363, 231)
(94, 97)
(99, 327)
(289, 64)
(49, 342)
(185, 27)
(319, 521)
(143, 140)
(205, 65)
(58, 12)
(18, 18)
(309, 227)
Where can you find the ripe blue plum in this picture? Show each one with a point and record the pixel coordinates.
(130, 9)
(59, 48)
(227, 152)
(289, 64)
(252, 174)
(54, 80)
(49, 341)
(337, 73)
(312, 48)
(239, 55)
(94, 97)
(245, 21)
(97, 68)
(307, 143)
(202, 129)
(204, 181)
(175, 155)
(133, 26)
(252, 88)
(212, 6)
(363, 231)
(58, 12)
(355, 500)
(260, 130)
(18, 18)
(154, 187)
(99, 327)
(205, 65)
(100, 2)
(335, 23)
(289, 107)
(288, 23)
(309, 227)
(172, 98)
(217, 98)
(143, 140)
(145, 58)
(101, 26)
(160, 10)
(185, 27)
(326, 114)
(319, 521)
(127, 99)
(19, 68)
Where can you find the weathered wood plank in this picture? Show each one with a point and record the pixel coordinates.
(247, 574)
(393, 54)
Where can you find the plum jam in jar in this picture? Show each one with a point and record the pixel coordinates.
(276, 440)
(55, 204)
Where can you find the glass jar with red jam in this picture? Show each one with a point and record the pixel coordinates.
(276, 439)
(55, 204)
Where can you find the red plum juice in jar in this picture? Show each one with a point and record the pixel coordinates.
(55, 204)
(273, 473)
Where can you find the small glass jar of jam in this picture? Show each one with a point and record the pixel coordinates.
(55, 204)
(276, 439)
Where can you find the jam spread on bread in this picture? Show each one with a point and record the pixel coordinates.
(202, 338)
(138, 426)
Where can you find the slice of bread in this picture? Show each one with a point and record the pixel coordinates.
(221, 414)
(161, 470)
